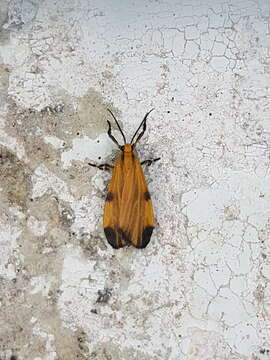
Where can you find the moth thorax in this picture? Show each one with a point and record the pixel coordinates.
(127, 148)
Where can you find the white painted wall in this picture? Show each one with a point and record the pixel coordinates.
(201, 289)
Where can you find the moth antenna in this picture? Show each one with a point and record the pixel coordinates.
(143, 123)
(118, 126)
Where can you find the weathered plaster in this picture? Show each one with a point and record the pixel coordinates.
(201, 289)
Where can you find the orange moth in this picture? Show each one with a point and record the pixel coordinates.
(128, 213)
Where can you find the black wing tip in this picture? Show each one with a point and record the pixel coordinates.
(117, 239)
(146, 236)
(111, 237)
(124, 237)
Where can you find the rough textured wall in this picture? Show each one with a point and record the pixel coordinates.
(201, 289)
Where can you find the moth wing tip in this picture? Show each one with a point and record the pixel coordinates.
(146, 236)
(111, 237)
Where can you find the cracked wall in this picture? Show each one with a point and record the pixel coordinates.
(201, 289)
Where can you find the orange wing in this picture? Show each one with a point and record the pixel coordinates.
(128, 213)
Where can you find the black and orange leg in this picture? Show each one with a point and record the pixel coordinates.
(149, 162)
(106, 167)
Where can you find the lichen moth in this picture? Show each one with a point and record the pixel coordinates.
(128, 213)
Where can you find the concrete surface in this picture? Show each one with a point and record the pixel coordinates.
(201, 289)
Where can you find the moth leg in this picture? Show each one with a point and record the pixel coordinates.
(149, 162)
(105, 167)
